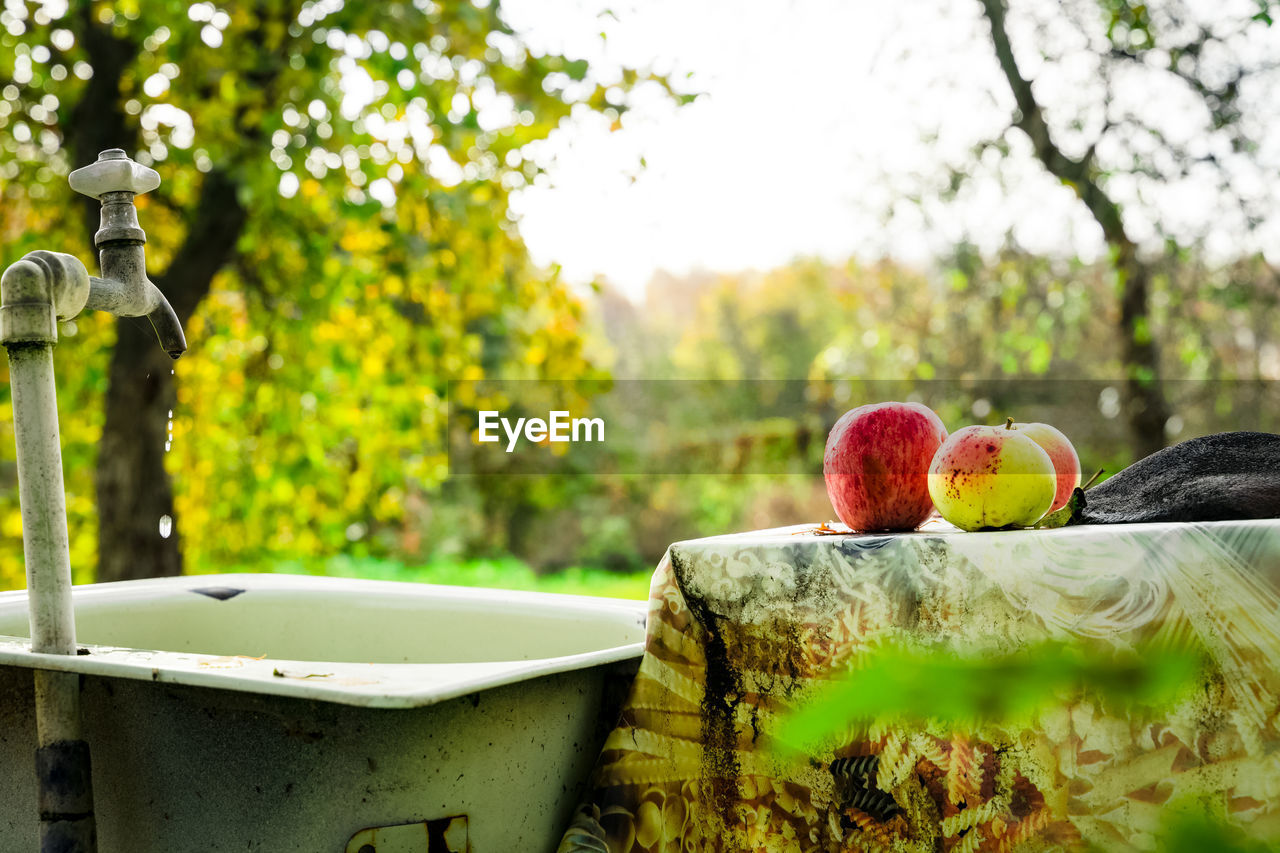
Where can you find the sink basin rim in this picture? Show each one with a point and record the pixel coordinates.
(375, 685)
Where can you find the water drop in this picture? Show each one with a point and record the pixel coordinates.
(166, 526)
(171, 414)
(1109, 402)
(167, 445)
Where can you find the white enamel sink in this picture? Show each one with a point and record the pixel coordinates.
(295, 713)
(382, 643)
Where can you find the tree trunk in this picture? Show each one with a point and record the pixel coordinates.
(1146, 408)
(134, 490)
(134, 493)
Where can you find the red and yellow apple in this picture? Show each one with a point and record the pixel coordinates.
(1066, 464)
(992, 476)
(876, 465)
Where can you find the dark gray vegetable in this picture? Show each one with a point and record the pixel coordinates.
(1228, 475)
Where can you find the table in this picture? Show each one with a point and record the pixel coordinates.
(743, 628)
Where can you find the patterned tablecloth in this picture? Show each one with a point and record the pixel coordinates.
(742, 628)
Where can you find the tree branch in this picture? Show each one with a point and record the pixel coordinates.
(1148, 411)
(1080, 175)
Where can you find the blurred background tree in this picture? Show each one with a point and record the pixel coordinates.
(337, 228)
(332, 228)
(1175, 52)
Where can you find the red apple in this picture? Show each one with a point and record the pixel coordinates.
(877, 464)
(1066, 463)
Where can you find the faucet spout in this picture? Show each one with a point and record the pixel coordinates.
(124, 300)
(168, 329)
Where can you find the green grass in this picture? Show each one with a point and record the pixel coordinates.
(504, 573)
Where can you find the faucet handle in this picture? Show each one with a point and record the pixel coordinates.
(114, 172)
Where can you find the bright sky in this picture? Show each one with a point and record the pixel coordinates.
(814, 120)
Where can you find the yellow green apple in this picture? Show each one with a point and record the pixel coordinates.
(991, 476)
(1066, 464)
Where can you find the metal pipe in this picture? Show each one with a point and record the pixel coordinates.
(40, 491)
(62, 756)
(64, 773)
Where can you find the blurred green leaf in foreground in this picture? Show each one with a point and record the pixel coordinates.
(1191, 829)
(901, 684)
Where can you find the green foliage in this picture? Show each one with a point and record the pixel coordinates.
(374, 147)
(1017, 316)
(914, 686)
(968, 328)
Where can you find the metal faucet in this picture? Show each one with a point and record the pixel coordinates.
(35, 293)
(53, 280)
(124, 289)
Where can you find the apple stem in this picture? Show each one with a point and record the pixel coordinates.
(1096, 475)
(1008, 424)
